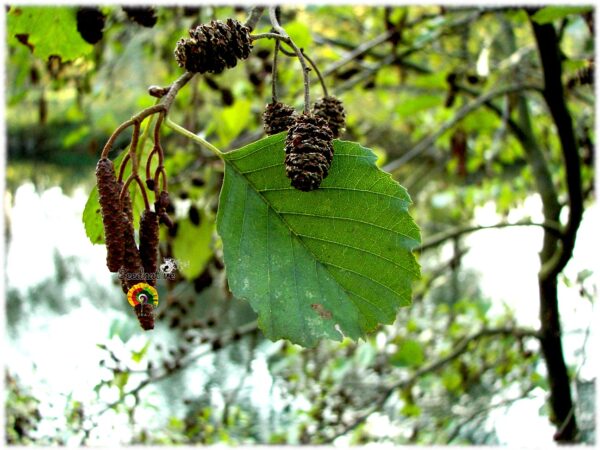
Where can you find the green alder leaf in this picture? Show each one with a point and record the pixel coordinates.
(191, 246)
(92, 218)
(551, 13)
(329, 263)
(48, 31)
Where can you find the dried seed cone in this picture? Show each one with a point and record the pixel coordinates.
(109, 190)
(309, 152)
(332, 110)
(149, 245)
(144, 15)
(278, 117)
(145, 315)
(214, 47)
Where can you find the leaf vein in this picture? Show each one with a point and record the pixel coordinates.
(362, 276)
(349, 219)
(343, 244)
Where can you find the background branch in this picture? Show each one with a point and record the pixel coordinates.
(444, 236)
(459, 349)
(427, 142)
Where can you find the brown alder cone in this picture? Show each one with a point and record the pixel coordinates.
(109, 190)
(149, 245)
(278, 117)
(214, 47)
(332, 110)
(308, 152)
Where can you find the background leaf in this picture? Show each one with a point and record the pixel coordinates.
(191, 246)
(39, 23)
(314, 264)
(410, 354)
(551, 13)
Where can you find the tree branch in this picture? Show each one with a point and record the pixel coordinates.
(174, 89)
(459, 349)
(475, 414)
(255, 14)
(547, 42)
(442, 237)
(305, 69)
(427, 142)
(243, 330)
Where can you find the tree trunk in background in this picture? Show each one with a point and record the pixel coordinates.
(555, 257)
(556, 250)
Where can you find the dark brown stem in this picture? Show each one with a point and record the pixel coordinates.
(134, 177)
(149, 160)
(547, 42)
(556, 253)
(122, 167)
(137, 119)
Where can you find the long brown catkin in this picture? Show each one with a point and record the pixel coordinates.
(149, 245)
(131, 269)
(108, 193)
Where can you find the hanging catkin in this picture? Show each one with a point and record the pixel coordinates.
(131, 270)
(109, 190)
(149, 245)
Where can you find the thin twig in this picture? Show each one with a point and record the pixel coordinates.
(472, 416)
(174, 89)
(459, 349)
(133, 147)
(135, 119)
(122, 167)
(134, 177)
(305, 68)
(245, 329)
(314, 67)
(440, 238)
(255, 14)
(274, 92)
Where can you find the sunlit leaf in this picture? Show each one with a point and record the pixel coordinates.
(551, 13)
(38, 27)
(329, 263)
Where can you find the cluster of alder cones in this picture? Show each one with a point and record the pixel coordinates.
(308, 146)
(134, 264)
(309, 150)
